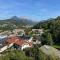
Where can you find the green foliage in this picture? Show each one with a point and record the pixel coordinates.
(49, 39)
(15, 55)
(33, 52)
(38, 54)
(43, 56)
(27, 31)
(46, 38)
(7, 27)
(18, 22)
(57, 46)
(53, 27)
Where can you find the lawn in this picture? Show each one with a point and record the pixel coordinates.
(57, 46)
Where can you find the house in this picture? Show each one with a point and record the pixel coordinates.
(2, 40)
(21, 44)
(37, 31)
(18, 43)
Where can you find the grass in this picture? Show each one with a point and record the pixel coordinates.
(15, 55)
(57, 46)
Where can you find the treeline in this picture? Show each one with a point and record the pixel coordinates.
(51, 26)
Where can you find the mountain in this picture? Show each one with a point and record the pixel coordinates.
(51, 26)
(49, 23)
(18, 21)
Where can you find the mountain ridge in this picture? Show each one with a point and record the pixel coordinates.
(17, 20)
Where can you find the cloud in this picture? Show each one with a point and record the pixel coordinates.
(32, 8)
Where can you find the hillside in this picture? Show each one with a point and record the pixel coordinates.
(17, 20)
(51, 26)
(48, 24)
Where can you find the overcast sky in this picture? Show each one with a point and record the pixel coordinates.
(34, 9)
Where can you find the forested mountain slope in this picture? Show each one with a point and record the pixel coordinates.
(15, 22)
(18, 21)
(52, 26)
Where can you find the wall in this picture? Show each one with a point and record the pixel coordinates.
(5, 47)
(25, 46)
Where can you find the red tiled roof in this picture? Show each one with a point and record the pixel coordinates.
(18, 41)
(12, 40)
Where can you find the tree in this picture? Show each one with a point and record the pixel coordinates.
(49, 39)
(15, 55)
(46, 38)
(53, 25)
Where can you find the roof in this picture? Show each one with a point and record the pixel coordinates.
(12, 40)
(18, 41)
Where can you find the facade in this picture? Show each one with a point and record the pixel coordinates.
(2, 41)
(5, 47)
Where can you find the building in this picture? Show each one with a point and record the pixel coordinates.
(18, 43)
(37, 31)
(3, 47)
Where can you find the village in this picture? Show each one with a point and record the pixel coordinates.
(18, 39)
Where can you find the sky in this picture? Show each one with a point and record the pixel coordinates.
(33, 9)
